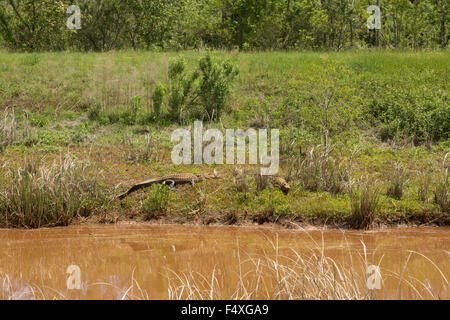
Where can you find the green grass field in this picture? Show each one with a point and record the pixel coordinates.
(363, 136)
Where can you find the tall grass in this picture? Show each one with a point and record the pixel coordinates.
(38, 195)
(364, 200)
(318, 169)
(397, 183)
(8, 130)
(442, 193)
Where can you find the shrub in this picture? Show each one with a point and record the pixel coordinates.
(45, 196)
(210, 94)
(215, 83)
(158, 96)
(180, 88)
(400, 113)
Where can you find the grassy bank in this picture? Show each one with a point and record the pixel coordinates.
(363, 138)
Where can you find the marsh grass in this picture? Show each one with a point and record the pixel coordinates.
(397, 182)
(424, 185)
(364, 200)
(442, 193)
(140, 150)
(38, 195)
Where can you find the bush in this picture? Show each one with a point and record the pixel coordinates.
(158, 96)
(182, 91)
(215, 83)
(210, 93)
(410, 113)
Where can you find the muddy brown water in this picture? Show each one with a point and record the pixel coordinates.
(144, 261)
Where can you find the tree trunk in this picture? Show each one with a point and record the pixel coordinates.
(443, 31)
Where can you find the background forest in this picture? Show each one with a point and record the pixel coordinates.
(40, 25)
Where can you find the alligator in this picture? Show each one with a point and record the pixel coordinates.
(185, 178)
(239, 176)
(171, 180)
(281, 183)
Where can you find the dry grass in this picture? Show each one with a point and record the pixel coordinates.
(318, 169)
(17, 289)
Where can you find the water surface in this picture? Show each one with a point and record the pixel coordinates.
(144, 261)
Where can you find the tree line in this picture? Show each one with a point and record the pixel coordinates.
(40, 25)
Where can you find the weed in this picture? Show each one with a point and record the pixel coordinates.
(319, 170)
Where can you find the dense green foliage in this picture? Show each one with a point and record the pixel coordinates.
(320, 97)
(262, 24)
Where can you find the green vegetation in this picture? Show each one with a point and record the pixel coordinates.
(40, 25)
(157, 202)
(364, 203)
(343, 118)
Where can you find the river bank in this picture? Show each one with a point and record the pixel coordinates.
(77, 130)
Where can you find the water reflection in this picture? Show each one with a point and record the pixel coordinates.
(145, 261)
